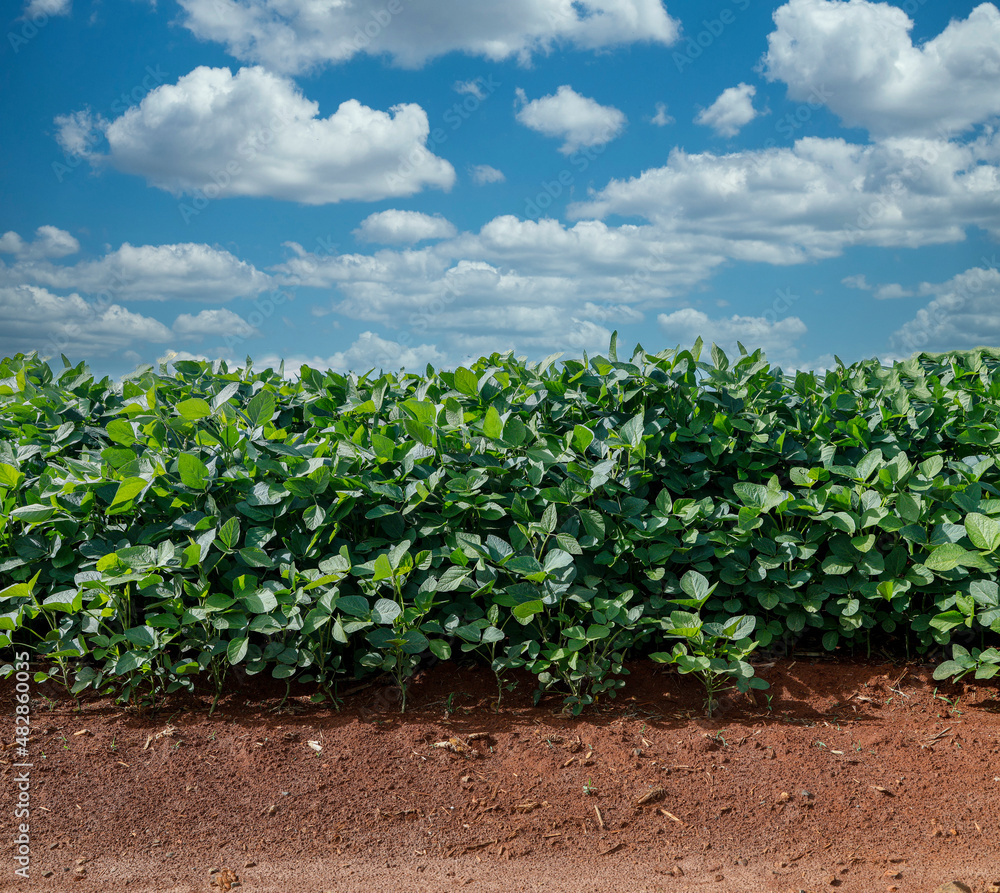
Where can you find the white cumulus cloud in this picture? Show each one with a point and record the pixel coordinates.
(892, 290)
(776, 337)
(47, 7)
(35, 319)
(813, 199)
(731, 111)
(964, 313)
(297, 35)
(49, 241)
(857, 281)
(369, 351)
(220, 322)
(78, 132)
(397, 227)
(186, 271)
(215, 134)
(483, 173)
(860, 59)
(661, 118)
(578, 120)
(516, 284)
(472, 88)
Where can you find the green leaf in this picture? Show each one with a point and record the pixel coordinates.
(256, 557)
(568, 544)
(422, 411)
(597, 631)
(384, 447)
(137, 558)
(10, 477)
(120, 431)
(440, 649)
(163, 621)
(194, 473)
(354, 605)
(685, 624)
(261, 408)
(753, 495)
(696, 586)
(947, 620)
(314, 516)
(768, 600)
(386, 611)
(492, 425)
(583, 437)
(415, 642)
(515, 432)
(260, 602)
(237, 649)
(631, 432)
(420, 433)
(141, 636)
(224, 395)
(129, 489)
(193, 409)
(948, 669)
(383, 568)
(33, 514)
(466, 381)
(523, 565)
(229, 533)
(527, 610)
(948, 557)
(740, 627)
(983, 531)
(931, 467)
(451, 579)
(116, 458)
(593, 523)
(870, 463)
(491, 634)
(129, 662)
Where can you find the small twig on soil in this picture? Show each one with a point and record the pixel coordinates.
(600, 818)
(528, 806)
(651, 796)
(478, 846)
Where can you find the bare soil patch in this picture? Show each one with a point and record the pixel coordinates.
(844, 776)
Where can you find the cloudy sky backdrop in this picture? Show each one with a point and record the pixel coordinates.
(390, 183)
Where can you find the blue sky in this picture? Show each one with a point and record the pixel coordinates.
(400, 182)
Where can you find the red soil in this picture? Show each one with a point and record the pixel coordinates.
(849, 776)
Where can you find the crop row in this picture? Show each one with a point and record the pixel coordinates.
(558, 518)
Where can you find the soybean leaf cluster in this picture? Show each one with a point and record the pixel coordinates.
(558, 517)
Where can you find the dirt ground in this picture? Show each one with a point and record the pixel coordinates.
(844, 776)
